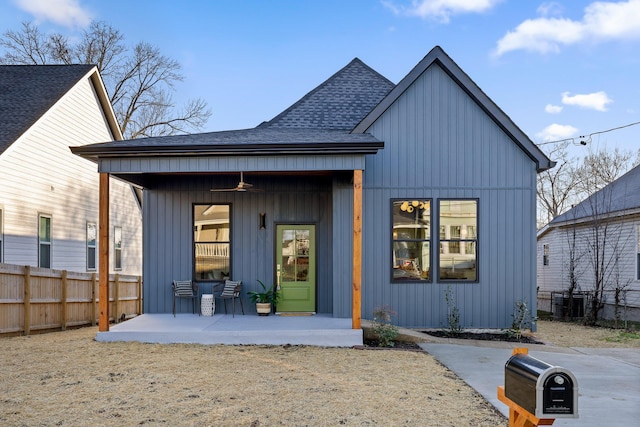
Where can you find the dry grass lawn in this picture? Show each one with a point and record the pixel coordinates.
(68, 379)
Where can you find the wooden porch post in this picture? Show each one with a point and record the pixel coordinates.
(103, 257)
(357, 250)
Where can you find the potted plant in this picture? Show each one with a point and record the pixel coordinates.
(264, 299)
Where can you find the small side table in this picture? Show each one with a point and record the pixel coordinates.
(207, 306)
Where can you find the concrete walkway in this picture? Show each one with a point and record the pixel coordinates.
(608, 379)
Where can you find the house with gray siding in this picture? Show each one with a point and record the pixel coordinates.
(48, 196)
(596, 241)
(364, 193)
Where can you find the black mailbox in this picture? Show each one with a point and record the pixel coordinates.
(543, 390)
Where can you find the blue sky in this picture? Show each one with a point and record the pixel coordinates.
(559, 69)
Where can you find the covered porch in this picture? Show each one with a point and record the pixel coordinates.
(312, 178)
(186, 328)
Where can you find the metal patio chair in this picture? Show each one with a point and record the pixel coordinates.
(229, 290)
(184, 289)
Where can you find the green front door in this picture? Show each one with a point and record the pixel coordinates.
(296, 267)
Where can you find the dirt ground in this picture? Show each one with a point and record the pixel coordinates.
(68, 379)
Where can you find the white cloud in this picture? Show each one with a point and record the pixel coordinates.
(556, 132)
(68, 13)
(550, 9)
(601, 21)
(594, 101)
(553, 109)
(440, 10)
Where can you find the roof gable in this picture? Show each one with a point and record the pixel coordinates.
(437, 57)
(340, 102)
(27, 92)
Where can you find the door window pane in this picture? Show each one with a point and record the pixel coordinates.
(295, 255)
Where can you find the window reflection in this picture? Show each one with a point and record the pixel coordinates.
(411, 240)
(295, 255)
(458, 239)
(211, 226)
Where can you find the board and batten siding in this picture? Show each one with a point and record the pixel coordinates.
(168, 232)
(40, 175)
(439, 144)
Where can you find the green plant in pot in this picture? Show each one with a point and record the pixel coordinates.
(264, 299)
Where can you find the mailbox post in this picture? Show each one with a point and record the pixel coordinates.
(536, 392)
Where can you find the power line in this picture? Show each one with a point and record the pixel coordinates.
(586, 138)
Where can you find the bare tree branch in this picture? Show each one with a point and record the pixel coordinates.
(139, 80)
(574, 179)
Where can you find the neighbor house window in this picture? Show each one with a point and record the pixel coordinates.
(44, 241)
(545, 255)
(211, 242)
(458, 221)
(411, 240)
(92, 234)
(1, 237)
(117, 247)
(638, 256)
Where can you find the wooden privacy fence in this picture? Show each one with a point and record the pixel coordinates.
(34, 299)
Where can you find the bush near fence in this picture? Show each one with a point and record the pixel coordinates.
(39, 299)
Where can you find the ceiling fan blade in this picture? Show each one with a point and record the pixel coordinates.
(221, 190)
(242, 186)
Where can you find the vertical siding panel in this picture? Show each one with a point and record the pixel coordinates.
(446, 147)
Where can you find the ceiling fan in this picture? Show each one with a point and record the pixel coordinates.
(242, 186)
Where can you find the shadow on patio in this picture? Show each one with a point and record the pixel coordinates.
(317, 330)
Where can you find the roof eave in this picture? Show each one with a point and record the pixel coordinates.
(105, 150)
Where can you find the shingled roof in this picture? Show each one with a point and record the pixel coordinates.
(28, 91)
(620, 197)
(339, 103)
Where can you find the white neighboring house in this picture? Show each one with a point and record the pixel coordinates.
(606, 227)
(49, 196)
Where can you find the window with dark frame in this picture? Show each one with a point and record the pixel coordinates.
(211, 242)
(92, 235)
(44, 241)
(458, 222)
(411, 240)
(117, 248)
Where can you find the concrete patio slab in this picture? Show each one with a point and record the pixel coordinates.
(318, 330)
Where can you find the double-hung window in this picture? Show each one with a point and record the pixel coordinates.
(1, 237)
(638, 256)
(92, 235)
(458, 222)
(411, 240)
(44, 241)
(211, 242)
(545, 254)
(117, 248)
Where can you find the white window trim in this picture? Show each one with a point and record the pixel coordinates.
(89, 246)
(50, 242)
(638, 252)
(117, 267)
(1, 234)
